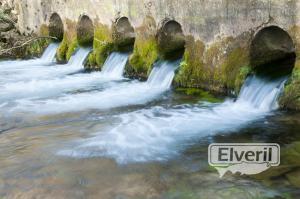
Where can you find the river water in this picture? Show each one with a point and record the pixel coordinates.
(65, 133)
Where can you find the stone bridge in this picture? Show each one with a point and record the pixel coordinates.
(222, 40)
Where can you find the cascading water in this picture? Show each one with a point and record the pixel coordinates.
(159, 133)
(127, 93)
(115, 64)
(28, 73)
(47, 58)
(38, 88)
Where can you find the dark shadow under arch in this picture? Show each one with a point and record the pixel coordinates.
(123, 33)
(171, 40)
(85, 31)
(272, 52)
(56, 27)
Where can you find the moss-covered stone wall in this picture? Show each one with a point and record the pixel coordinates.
(219, 67)
(145, 51)
(69, 43)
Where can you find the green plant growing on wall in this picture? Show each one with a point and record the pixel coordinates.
(291, 95)
(192, 72)
(66, 48)
(102, 47)
(235, 69)
(144, 55)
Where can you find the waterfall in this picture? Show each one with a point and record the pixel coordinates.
(57, 84)
(159, 133)
(115, 64)
(17, 74)
(46, 59)
(261, 94)
(125, 94)
(163, 74)
(50, 52)
(79, 57)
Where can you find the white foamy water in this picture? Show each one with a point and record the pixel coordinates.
(157, 134)
(115, 64)
(127, 93)
(41, 88)
(74, 65)
(47, 58)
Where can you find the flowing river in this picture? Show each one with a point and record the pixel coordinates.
(66, 133)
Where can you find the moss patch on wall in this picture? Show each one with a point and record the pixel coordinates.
(66, 48)
(69, 43)
(201, 94)
(145, 51)
(102, 47)
(221, 67)
(143, 57)
(291, 95)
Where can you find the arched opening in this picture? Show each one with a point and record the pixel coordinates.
(85, 31)
(56, 27)
(171, 40)
(272, 52)
(123, 33)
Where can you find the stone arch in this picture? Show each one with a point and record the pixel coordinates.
(123, 32)
(170, 39)
(56, 27)
(272, 51)
(85, 31)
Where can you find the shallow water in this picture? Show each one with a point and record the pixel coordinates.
(90, 135)
(31, 163)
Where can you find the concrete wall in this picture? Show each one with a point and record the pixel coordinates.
(204, 19)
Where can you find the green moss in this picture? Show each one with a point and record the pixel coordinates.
(62, 49)
(66, 48)
(234, 69)
(212, 69)
(291, 95)
(73, 45)
(192, 69)
(144, 55)
(203, 95)
(241, 77)
(102, 47)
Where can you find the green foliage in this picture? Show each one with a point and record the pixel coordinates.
(144, 55)
(36, 48)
